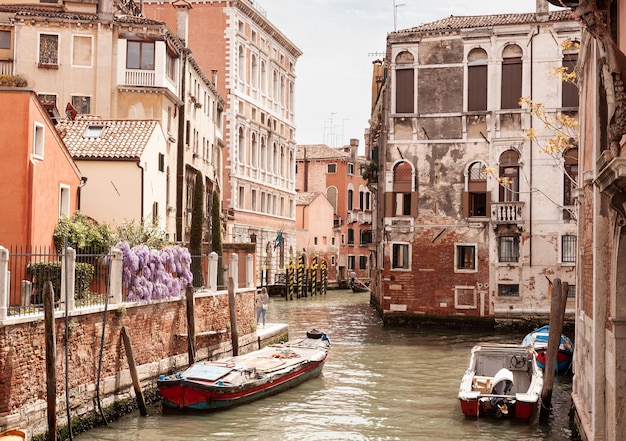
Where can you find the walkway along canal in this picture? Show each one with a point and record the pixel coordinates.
(378, 384)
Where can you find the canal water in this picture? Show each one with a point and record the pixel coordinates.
(378, 384)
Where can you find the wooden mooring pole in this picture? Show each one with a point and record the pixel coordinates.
(232, 307)
(557, 315)
(141, 403)
(51, 370)
(191, 325)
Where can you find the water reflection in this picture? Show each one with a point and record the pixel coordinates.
(378, 384)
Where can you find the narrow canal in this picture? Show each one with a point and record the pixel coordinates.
(378, 384)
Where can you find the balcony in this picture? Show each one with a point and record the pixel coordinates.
(365, 217)
(506, 212)
(138, 77)
(6, 67)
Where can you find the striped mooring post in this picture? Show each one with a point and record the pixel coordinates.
(323, 277)
(291, 282)
(300, 275)
(314, 275)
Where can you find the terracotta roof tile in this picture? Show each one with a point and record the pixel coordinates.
(320, 151)
(455, 23)
(120, 139)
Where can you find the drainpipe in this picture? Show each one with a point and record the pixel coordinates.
(530, 177)
(143, 191)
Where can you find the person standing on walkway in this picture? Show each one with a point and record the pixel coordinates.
(262, 298)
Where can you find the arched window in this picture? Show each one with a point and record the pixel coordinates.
(242, 146)
(331, 195)
(350, 197)
(477, 80)
(405, 83)
(476, 199)
(403, 200)
(509, 174)
(254, 72)
(254, 154)
(263, 77)
(511, 90)
(242, 64)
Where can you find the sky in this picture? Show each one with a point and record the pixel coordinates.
(339, 40)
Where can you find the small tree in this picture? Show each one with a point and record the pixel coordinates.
(82, 233)
(216, 236)
(195, 235)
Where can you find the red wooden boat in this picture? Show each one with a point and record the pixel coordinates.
(213, 385)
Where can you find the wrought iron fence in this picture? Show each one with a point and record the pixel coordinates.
(31, 267)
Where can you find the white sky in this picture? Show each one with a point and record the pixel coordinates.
(337, 38)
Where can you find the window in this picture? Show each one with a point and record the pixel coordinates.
(477, 80)
(331, 195)
(241, 199)
(465, 297)
(5, 39)
(465, 257)
(476, 199)
(405, 84)
(399, 256)
(571, 291)
(93, 131)
(568, 248)
(350, 199)
(508, 248)
(332, 260)
(331, 168)
(351, 262)
(570, 177)
(350, 168)
(568, 89)
(343, 239)
(81, 50)
(64, 201)
(511, 77)
(161, 162)
(362, 262)
(403, 200)
(366, 237)
(38, 141)
(140, 55)
(48, 50)
(350, 236)
(253, 200)
(155, 213)
(508, 290)
(509, 173)
(315, 240)
(82, 104)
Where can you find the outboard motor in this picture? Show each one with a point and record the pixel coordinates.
(502, 384)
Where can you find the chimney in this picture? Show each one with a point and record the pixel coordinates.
(542, 10)
(214, 77)
(354, 146)
(105, 10)
(182, 19)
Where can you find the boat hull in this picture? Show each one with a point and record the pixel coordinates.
(214, 385)
(13, 435)
(538, 339)
(188, 395)
(501, 381)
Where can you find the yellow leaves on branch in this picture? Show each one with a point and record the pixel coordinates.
(564, 127)
(503, 181)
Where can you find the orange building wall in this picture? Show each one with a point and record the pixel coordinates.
(29, 189)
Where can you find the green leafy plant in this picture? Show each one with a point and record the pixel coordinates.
(82, 233)
(141, 233)
(216, 236)
(42, 272)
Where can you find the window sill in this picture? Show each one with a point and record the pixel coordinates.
(47, 66)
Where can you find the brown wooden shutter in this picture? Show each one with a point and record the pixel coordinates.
(477, 87)
(511, 82)
(465, 204)
(405, 91)
(414, 204)
(389, 204)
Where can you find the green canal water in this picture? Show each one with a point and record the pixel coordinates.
(378, 384)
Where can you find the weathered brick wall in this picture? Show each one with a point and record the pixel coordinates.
(158, 334)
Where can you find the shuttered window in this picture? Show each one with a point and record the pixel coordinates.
(569, 89)
(405, 91)
(511, 82)
(477, 88)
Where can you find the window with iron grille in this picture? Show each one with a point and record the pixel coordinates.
(508, 248)
(331, 168)
(508, 290)
(568, 248)
(49, 49)
(571, 291)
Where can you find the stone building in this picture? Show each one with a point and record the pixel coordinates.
(255, 69)
(472, 217)
(337, 174)
(599, 384)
